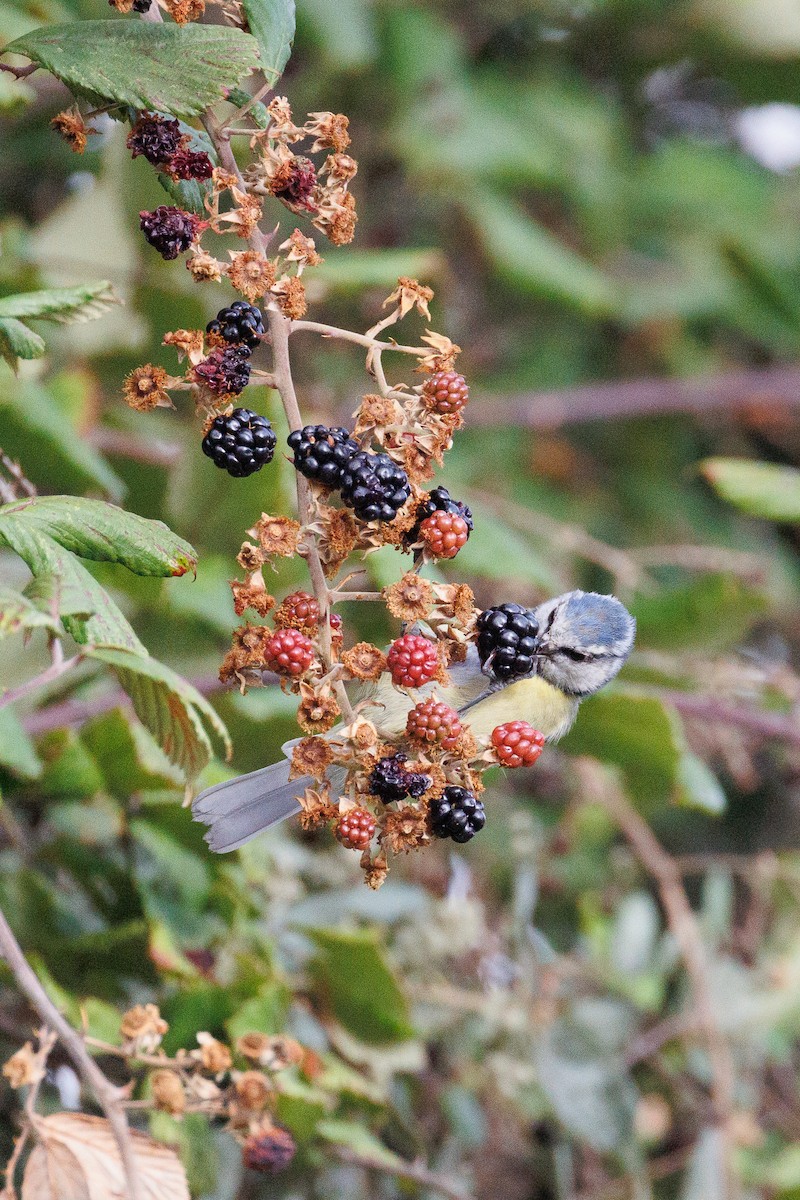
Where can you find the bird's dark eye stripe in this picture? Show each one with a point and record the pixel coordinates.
(575, 655)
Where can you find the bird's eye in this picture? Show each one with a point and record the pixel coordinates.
(575, 655)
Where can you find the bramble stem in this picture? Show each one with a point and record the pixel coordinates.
(360, 339)
(57, 668)
(108, 1096)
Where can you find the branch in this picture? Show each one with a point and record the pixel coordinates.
(708, 708)
(639, 397)
(57, 668)
(360, 339)
(413, 1172)
(108, 1096)
(684, 928)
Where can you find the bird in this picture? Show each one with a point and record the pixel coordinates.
(584, 639)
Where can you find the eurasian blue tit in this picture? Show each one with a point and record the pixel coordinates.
(584, 639)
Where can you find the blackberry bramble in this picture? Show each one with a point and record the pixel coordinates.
(240, 442)
(507, 640)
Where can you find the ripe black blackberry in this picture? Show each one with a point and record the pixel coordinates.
(242, 324)
(507, 639)
(322, 453)
(390, 780)
(142, 6)
(156, 138)
(240, 442)
(457, 814)
(169, 230)
(226, 371)
(374, 486)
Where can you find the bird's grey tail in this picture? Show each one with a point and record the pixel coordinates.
(237, 810)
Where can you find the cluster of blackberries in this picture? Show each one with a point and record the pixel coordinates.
(457, 814)
(440, 500)
(241, 442)
(169, 230)
(226, 370)
(507, 640)
(390, 780)
(240, 325)
(374, 486)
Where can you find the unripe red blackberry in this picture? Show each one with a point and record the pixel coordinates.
(156, 138)
(226, 371)
(355, 829)
(269, 1150)
(517, 744)
(445, 392)
(434, 723)
(169, 230)
(289, 652)
(241, 442)
(301, 181)
(443, 534)
(298, 611)
(337, 634)
(412, 660)
(190, 164)
(456, 814)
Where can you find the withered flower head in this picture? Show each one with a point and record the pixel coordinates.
(24, 1067)
(251, 273)
(205, 268)
(374, 411)
(329, 129)
(311, 756)
(251, 594)
(317, 712)
(302, 250)
(168, 1093)
(362, 734)
(188, 343)
(145, 388)
(253, 1090)
(281, 1052)
(71, 126)
(215, 1056)
(250, 557)
(340, 168)
(290, 293)
(417, 463)
(183, 11)
(410, 599)
(409, 294)
(277, 535)
(316, 808)
(364, 661)
(222, 181)
(444, 353)
(439, 781)
(375, 869)
(252, 640)
(233, 667)
(253, 1046)
(268, 1149)
(342, 228)
(339, 533)
(404, 829)
(143, 1026)
(282, 128)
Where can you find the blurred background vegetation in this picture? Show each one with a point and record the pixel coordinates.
(600, 193)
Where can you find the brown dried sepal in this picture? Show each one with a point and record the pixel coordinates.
(24, 1068)
(311, 756)
(252, 594)
(215, 1057)
(250, 558)
(251, 640)
(277, 535)
(301, 250)
(375, 413)
(443, 353)
(146, 388)
(330, 131)
(204, 268)
(318, 711)
(404, 829)
(184, 11)
(290, 293)
(316, 808)
(253, 1091)
(251, 273)
(168, 1092)
(375, 869)
(338, 536)
(142, 1028)
(409, 294)
(364, 661)
(411, 598)
(71, 126)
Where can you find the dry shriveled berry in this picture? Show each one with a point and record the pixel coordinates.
(434, 723)
(517, 744)
(190, 164)
(443, 534)
(269, 1150)
(169, 230)
(456, 814)
(226, 371)
(301, 179)
(289, 652)
(156, 138)
(355, 829)
(445, 392)
(390, 780)
(412, 660)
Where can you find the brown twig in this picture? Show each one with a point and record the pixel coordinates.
(413, 1172)
(59, 666)
(708, 708)
(153, 453)
(108, 1096)
(686, 932)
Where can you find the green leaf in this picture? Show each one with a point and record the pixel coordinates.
(17, 753)
(699, 787)
(351, 1136)
(126, 758)
(760, 489)
(104, 533)
(707, 612)
(63, 305)
(17, 341)
(271, 23)
(300, 1107)
(360, 989)
(531, 258)
(264, 1013)
(87, 611)
(180, 70)
(175, 712)
(17, 613)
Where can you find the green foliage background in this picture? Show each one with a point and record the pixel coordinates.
(568, 179)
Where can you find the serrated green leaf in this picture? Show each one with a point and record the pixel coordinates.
(18, 341)
(272, 24)
(176, 714)
(759, 489)
(87, 611)
(360, 989)
(179, 70)
(104, 533)
(64, 305)
(18, 612)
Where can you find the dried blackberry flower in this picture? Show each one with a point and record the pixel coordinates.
(277, 535)
(364, 661)
(190, 164)
(410, 294)
(410, 599)
(250, 558)
(142, 1028)
(145, 388)
(329, 129)
(23, 1068)
(290, 293)
(252, 594)
(340, 168)
(251, 273)
(183, 11)
(294, 183)
(71, 127)
(375, 869)
(204, 268)
(316, 808)
(404, 829)
(301, 250)
(168, 1093)
(215, 1057)
(253, 1046)
(311, 756)
(253, 1090)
